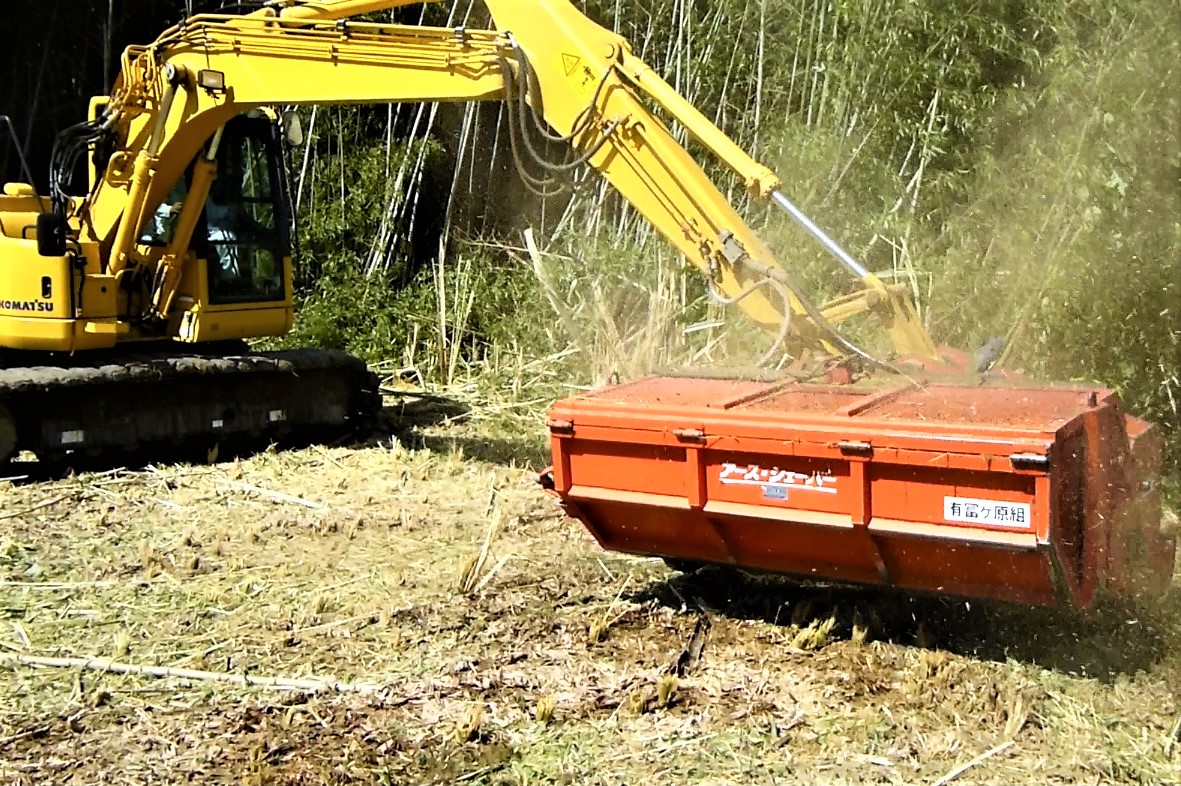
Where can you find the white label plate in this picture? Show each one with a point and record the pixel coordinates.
(987, 511)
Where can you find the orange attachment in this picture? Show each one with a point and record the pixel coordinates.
(1037, 495)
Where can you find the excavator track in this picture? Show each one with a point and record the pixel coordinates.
(124, 402)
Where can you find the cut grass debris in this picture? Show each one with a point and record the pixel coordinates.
(227, 635)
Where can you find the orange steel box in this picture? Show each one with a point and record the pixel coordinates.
(1038, 495)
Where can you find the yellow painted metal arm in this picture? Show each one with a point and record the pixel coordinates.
(264, 63)
(168, 270)
(329, 10)
(760, 181)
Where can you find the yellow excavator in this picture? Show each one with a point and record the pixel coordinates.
(123, 311)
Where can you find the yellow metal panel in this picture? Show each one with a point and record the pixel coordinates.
(32, 286)
(54, 335)
(99, 297)
(18, 216)
(197, 327)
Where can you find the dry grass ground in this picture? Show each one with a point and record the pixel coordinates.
(492, 642)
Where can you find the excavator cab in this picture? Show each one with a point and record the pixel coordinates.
(236, 277)
(216, 269)
(243, 234)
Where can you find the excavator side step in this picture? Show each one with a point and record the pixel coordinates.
(170, 399)
(1035, 495)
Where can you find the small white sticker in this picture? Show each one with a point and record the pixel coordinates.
(278, 416)
(73, 437)
(218, 423)
(987, 511)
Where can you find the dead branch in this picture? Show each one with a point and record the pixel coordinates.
(960, 770)
(692, 652)
(33, 509)
(1174, 737)
(24, 735)
(59, 585)
(469, 580)
(113, 667)
(274, 496)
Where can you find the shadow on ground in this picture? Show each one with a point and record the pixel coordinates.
(403, 417)
(527, 451)
(412, 419)
(1103, 645)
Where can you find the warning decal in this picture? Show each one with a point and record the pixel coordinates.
(570, 62)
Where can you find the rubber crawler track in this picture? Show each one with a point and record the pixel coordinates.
(103, 402)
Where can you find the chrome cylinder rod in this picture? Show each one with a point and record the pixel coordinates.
(849, 262)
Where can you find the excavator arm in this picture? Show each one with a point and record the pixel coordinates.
(563, 77)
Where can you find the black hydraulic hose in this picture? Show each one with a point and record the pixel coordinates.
(542, 188)
(529, 75)
(524, 112)
(68, 147)
(781, 290)
(830, 331)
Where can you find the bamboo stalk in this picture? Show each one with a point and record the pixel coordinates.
(762, 62)
(307, 154)
(812, 61)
